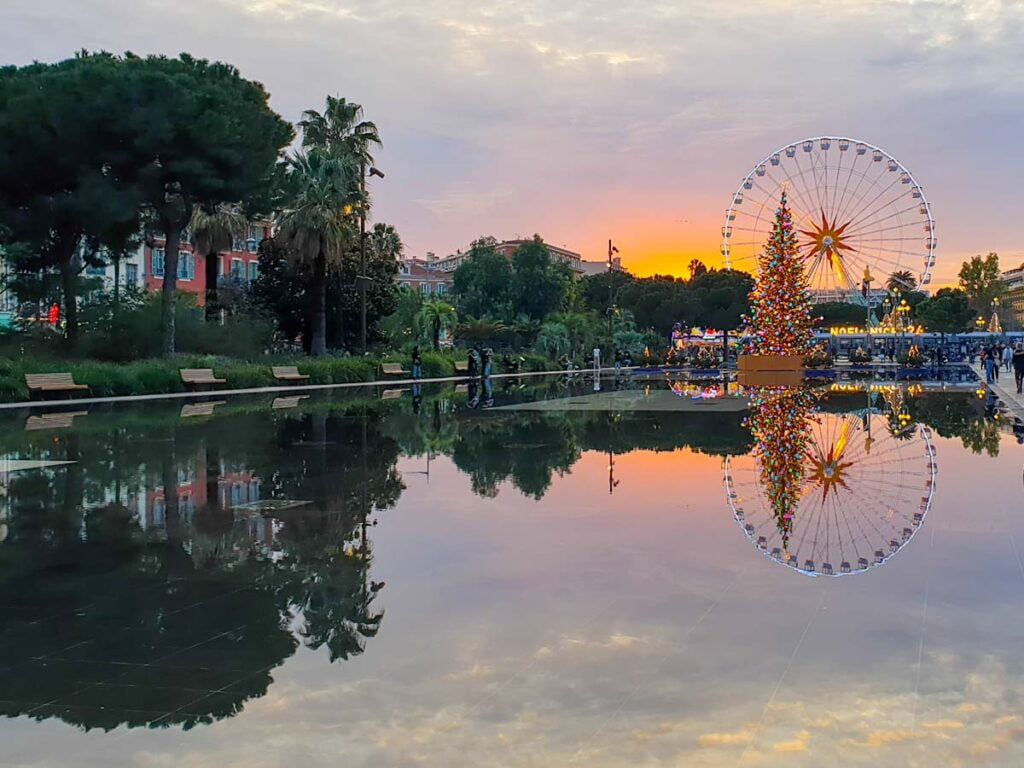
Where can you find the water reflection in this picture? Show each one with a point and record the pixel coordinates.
(161, 576)
(832, 493)
(158, 565)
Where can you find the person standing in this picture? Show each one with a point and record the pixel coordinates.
(417, 363)
(1007, 357)
(1018, 365)
(990, 366)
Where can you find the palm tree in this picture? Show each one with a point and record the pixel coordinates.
(902, 279)
(385, 242)
(314, 226)
(479, 329)
(340, 129)
(214, 230)
(434, 315)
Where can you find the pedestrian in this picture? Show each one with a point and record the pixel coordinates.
(1018, 365)
(417, 363)
(990, 367)
(471, 367)
(486, 363)
(618, 361)
(1007, 356)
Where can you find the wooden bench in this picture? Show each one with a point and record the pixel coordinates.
(43, 383)
(391, 394)
(62, 420)
(190, 410)
(281, 403)
(462, 366)
(194, 378)
(288, 373)
(393, 369)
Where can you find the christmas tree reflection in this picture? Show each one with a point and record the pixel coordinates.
(779, 422)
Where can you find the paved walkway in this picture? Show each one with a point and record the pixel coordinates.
(1006, 389)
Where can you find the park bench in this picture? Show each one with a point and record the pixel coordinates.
(462, 366)
(391, 394)
(62, 420)
(288, 373)
(43, 383)
(393, 369)
(280, 403)
(194, 378)
(205, 408)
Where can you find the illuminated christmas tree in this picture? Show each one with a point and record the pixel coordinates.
(780, 304)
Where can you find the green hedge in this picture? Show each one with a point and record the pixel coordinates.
(146, 377)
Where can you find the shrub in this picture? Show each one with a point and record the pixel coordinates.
(706, 358)
(860, 355)
(818, 358)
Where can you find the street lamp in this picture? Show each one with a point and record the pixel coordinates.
(362, 278)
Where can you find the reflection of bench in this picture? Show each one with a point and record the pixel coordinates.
(393, 369)
(194, 378)
(462, 366)
(287, 402)
(391, 394)
(288, 373)
(42, 383)
(200, 409)
(61, 420)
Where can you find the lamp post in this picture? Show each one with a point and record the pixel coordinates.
(903, 309)
(362, 278)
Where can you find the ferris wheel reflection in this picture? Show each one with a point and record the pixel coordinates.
(827, 493)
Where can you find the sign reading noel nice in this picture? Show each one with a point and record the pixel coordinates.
(852, 330)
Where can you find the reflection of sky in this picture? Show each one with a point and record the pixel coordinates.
(640, 629)
(584, 120)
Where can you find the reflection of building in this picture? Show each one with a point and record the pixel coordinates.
(508, 247)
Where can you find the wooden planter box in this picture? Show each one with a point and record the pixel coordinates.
(781, 363)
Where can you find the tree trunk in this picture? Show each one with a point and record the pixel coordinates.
(319, 342)
(172, 246)
(339, 320)
(210, 270)
(69, 286)
(117, 288)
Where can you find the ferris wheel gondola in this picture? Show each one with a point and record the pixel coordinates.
(858, 211)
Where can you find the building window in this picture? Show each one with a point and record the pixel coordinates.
(156, 266)
(131, 276)
(425, 289)
(186, 266)
(254, 269)
(237, 244)
(237, 269)
(442, 289)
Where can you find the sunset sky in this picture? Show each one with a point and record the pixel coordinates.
(631, 120)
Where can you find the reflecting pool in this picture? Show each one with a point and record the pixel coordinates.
(534, 573)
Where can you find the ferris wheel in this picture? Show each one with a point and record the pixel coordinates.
(858, 211)
(865, 491)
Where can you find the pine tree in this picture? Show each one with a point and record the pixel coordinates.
(780, 304)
